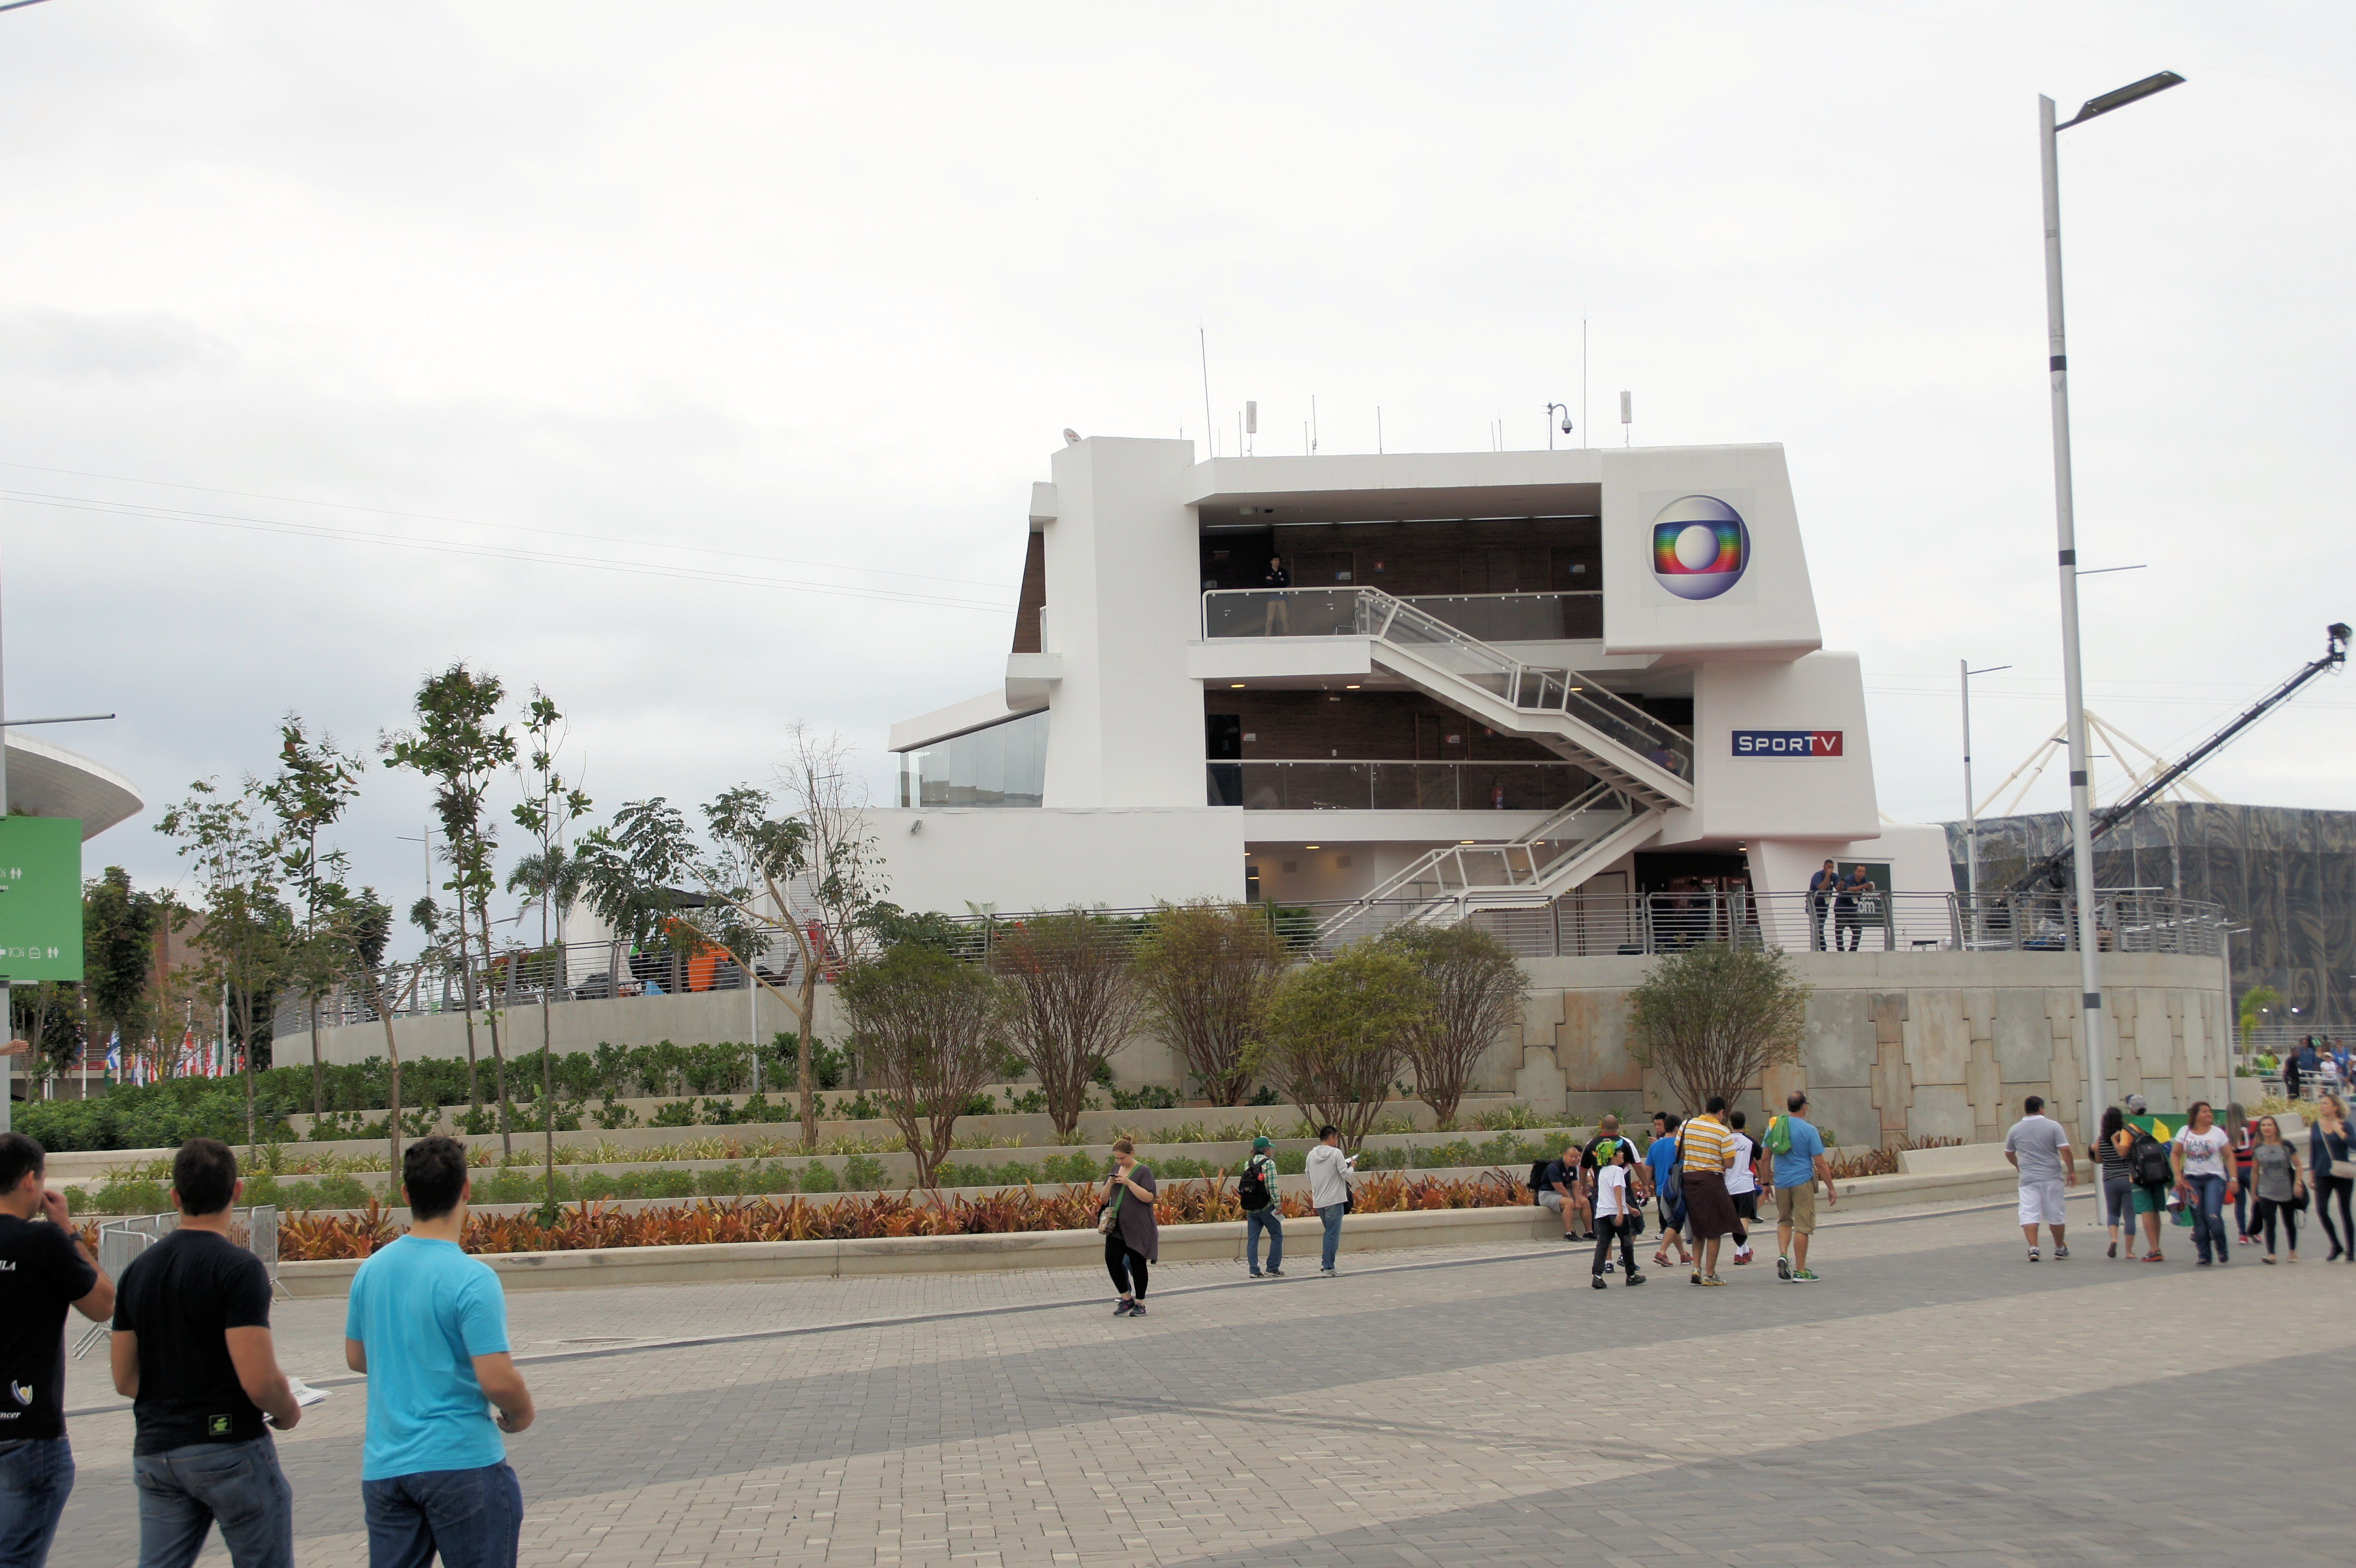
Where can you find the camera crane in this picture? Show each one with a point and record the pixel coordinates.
(2048, 872)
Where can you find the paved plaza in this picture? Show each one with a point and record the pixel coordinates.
(1935, 1398)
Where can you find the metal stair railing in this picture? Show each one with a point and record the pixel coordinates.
(1526, 688)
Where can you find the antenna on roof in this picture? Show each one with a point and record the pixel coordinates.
(1251, 423)
(1210, 425)
(1627, 416)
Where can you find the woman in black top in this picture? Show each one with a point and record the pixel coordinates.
(2327, 1143)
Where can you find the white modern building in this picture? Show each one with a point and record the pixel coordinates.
(1482, 680)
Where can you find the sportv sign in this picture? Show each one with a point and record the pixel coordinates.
(1787, 743)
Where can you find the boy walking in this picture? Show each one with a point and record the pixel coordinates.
(192, 1350)
(44, 1269)
(428, 1325)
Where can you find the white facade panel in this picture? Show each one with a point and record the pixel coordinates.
(1773, 791)
(1043, 858)
(1768, 611)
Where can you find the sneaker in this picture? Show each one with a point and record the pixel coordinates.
(1711, 1279)
(2199, 1263)
(1275, 1273)
(1257, 1274)
(1597, 1280)
(1325, 1274)
(1742, 1255)
(1138, 1310)
(2032, 1254)
(1783, 1268)
(1121, 1308)
(1634, 1278)
(1803, 1276)
(2060, 1251)
(1610, 1267)
(1697, 1277)
(1568, 1237)
(2153, 1258)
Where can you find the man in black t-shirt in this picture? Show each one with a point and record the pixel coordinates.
(192, 1349)
(44, 1269)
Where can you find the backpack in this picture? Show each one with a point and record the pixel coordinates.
(1778, 1137)
(1538, 1179)
(1251, 1188)
(2148, 1160)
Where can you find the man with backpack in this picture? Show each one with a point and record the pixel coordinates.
(1661, 1171)
(2151, 1166)
(1256, 1190)
(1797, 1151)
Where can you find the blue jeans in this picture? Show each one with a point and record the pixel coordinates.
(473, 1517)
(36, 1476)
(1269, 1220)
(184, 1492)
(2209, 1216)
(1330, 1215)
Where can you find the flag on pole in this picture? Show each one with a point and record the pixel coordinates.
(114, 1053)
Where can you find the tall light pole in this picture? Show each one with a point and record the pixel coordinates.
(1971, 806)
(2081, 844)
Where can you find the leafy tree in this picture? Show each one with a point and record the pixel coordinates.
(249, 933)
(1477, 989)
(355, 929)
(2252, 1010)
(313, 783)
(1712, 1019)
(457, 748)
(119, 925)
(1336, 1031)
(1204, 969)
(926, 1027)
(48, 1018)
(1071, 1001)
(550, 805)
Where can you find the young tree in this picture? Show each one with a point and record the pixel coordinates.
(314, 784)
(119, 925)
(457, 748)
(550, 805)
(1712, 1019)
(249, 932)
(1203, 972)
(1477, 989)
(927, 1025)
(1071, 1001)
(1336, 1031)
(355, 929)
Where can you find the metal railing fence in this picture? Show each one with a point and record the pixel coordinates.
(1333, 784)
(121, 1240)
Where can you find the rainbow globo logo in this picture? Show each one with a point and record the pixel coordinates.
(1701, 547)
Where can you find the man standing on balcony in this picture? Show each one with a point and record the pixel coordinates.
(1280, 608)
(1821, 887)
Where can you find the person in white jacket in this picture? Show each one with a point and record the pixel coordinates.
(1329, 1189)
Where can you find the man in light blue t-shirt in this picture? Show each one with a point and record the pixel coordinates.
(428, 1325)
(1798, 1168)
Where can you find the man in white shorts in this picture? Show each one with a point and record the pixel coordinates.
(2038, 1148)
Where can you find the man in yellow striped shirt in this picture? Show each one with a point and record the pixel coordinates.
(1706, 1147)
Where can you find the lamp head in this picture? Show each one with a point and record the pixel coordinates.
(2120, 97)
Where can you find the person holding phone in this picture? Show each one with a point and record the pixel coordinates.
(1329, 1190)
(1133, 1239)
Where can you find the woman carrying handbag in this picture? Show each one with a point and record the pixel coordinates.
(1125, 1220)
(2331, 1174)
(2278, 1185)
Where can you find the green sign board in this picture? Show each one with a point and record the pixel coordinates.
(40, 899)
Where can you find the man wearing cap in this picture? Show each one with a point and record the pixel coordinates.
(1258, 1179)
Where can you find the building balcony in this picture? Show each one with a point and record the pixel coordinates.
(1333, 612)
(1341, 784)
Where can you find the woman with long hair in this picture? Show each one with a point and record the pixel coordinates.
(2204, 1154)
(1132, 1237)
(2328, 1157)
(2111, 1148)
(2244, 1133)
(2278, 1182)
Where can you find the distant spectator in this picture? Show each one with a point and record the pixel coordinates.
(2327, 1158)
(1800, 1164)
(2279, 1183)
(1849, 909)
(428, 1325)
(2201, 1151)
(192, 1351)
(1821, 890)
(1263, 1209)
(1668, 1193)
(45, 1267)
(1134, 1238)
(2038, 1148)
(1329, 1190)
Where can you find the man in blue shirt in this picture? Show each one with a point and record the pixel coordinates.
(1797, 1170)
(1821, 887)
(1660, 1164)
(428, 1325)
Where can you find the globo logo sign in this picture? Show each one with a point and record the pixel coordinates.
(1701, 547)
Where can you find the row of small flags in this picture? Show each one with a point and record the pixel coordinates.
(192, 1059)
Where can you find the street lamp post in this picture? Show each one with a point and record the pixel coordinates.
(1971, 806)
(2066, 535)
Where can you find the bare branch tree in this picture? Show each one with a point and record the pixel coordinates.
(1477, 989)
(927, 1025)
(1203, 972)
(1071, 1001)
(1710, 1019)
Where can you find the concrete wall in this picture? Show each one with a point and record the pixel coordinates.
(1899, 1043)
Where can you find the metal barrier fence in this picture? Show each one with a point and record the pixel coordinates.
(122, 1241)
(1575, 926)
(1321, 784)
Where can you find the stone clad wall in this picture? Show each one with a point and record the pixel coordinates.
(1931, 1045)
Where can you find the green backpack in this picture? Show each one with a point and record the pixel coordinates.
(1778, 1138)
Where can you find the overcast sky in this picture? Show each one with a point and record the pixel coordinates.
(692, 361)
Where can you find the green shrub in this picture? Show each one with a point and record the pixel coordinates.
(1152, 1097)
(863, 1173)
(817, 1178)
(674, 1113)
